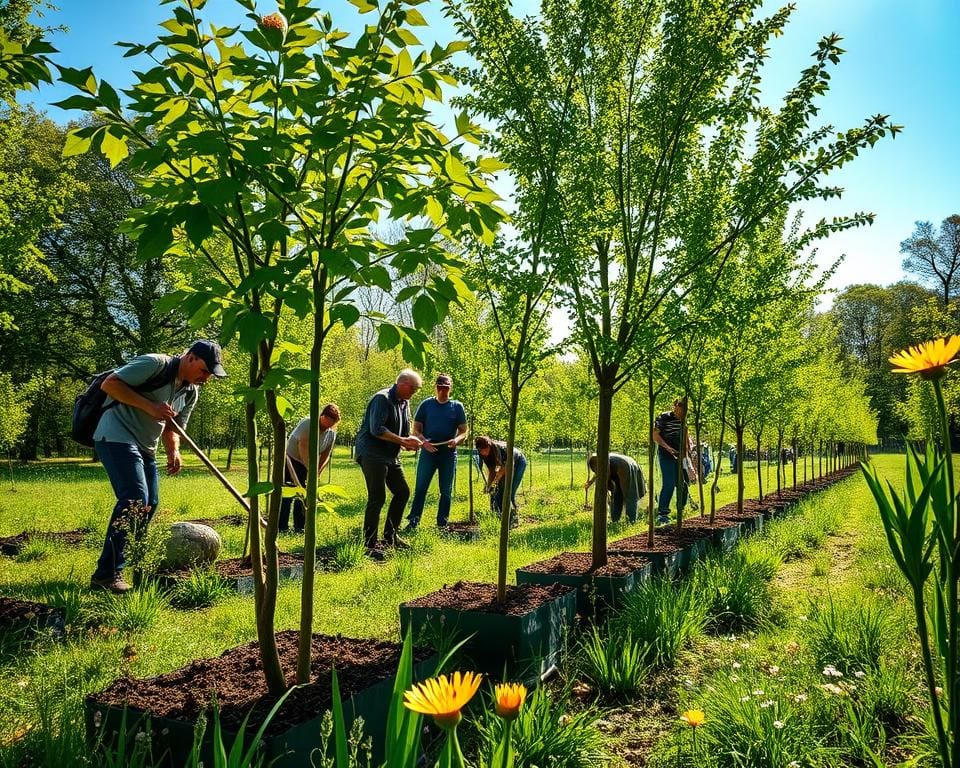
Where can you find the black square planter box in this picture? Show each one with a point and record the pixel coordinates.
(528, 645)
(172, 738)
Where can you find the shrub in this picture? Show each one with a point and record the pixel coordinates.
(665, 616)
(851, 636)
(135, 611)
(201, 589)
(615, 663)
(735, 591)
(545, 735)
(349, 554)
(758, 724)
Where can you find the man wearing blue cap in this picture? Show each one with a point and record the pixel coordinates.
(142, 396)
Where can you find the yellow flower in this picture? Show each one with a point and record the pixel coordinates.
(510, 697)
(693, 717)
(929, 359)
(443, 697)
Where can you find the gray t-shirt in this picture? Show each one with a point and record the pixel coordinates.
(123, 423)
(327, 438)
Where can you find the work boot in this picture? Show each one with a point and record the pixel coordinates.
(114, 584)
(397, 543)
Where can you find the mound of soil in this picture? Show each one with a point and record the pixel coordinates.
(14, 611)
(665, 540)
(580, 564)
(11, 546)
(482, 598)
(236, 679)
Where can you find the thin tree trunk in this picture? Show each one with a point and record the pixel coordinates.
(759, 472)
(794, 462)
(506, 507)
(604, 413)
(651, 404)
(739, 430)
(473, 514)
(697, 425)
(780, 463)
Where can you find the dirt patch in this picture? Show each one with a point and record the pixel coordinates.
(665, 541)
(236, 679)
(11, 546)
(466, 531)
(581, 564)
(14, 611)
(236, 567)
(482, 598)
(235, 520)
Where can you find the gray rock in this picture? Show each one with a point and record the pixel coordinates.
(191, 544)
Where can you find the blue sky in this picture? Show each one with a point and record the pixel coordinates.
(902, 59)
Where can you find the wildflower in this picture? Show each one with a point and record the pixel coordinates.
(836, 690)
(140, 736)
(773, 670)
(736, 665)
(734, 678)
(859, 674)
(800, 698)
(767, 704)
(938, 691)
(792, 647)
(793, 764)
(930, 359)
(509, 698)
(744, 698)
(758, 692)
(744, 645)
(831, 671)
(443, 697)
(778, 724)
(274, 21)
(693, 717)
(97, 718)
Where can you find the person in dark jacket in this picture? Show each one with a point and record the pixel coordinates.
(384, 431)
(492, 456)
(668, 431)
(626, 485)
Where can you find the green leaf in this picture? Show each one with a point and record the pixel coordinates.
(424, 313)
(341, 751)
(388, 337)
(258, 489)
(254, 328)
(364, 6)
(346, 314)
(155, 238)
(415, 18)
(198, 224)
(77, 101)
(114, 149)
(76, 145)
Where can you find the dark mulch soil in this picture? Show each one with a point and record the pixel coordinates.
(482, 598)
(215, 521)
(235, 567)
(11, 546)
(580, 564)
(236, 678)
(703, 527)
(14, 611)
(666, 539)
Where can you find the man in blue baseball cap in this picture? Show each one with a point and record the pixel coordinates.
(142, 397)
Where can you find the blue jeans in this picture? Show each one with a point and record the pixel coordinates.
(495, 498)
(668, 474)
(133, 476)
(443, 463)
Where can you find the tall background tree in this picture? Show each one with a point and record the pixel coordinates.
(934, 256)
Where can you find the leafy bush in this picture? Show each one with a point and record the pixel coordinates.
(349, 554)
(615, 663)
(759, 724)
(735, 590)
(201, 589)
(855, 635)
(663, 615)
(545, 735)
(135, 611)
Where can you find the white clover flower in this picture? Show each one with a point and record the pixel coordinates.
(859, 674)
(767, 704)
(744, 698)
(736, 665)
(836, 690)
(800, 698)
(774, 670)
(744, 645)
(778, 724)
(803, 617)
(758, 692)
(793, 764)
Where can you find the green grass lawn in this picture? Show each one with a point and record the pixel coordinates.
(361, 601)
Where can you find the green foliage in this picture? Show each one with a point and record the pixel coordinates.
(736, 591)
(349, 554)
(664, 615)
(546, 733)
(201, 589)
(615, 664)
(136, 611)
(853, 635)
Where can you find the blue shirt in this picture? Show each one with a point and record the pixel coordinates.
(440, 420)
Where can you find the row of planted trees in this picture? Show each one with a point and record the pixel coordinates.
(651, 191)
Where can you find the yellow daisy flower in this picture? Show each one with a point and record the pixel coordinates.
(442, 698)
(693, 717)
(930, 359)
(509, 698)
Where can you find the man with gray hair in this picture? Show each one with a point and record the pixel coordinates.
(385, 429)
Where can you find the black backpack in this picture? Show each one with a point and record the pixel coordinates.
(89, 405)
